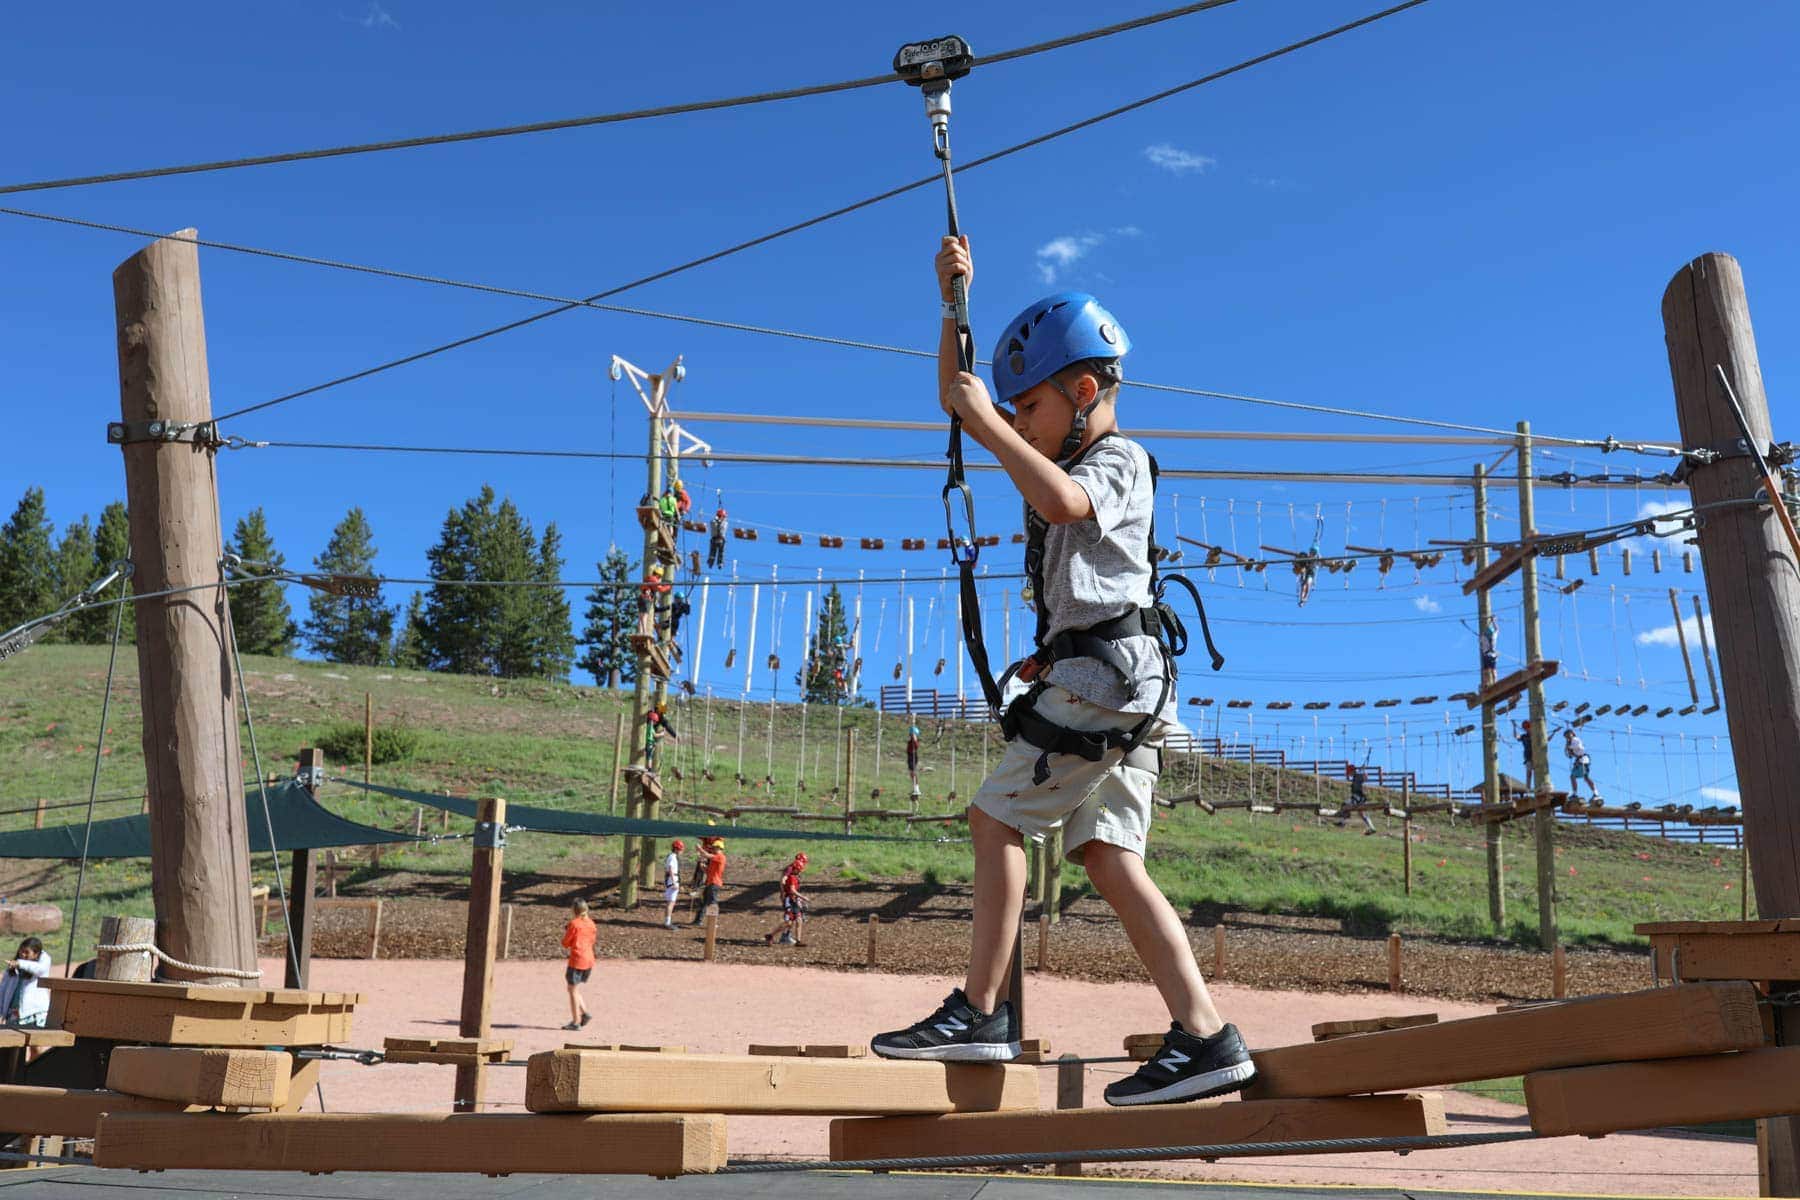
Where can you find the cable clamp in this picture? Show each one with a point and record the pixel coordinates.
(235, 442)
(490, 836)
(310, 778)
(1737, 447)
(196, 433)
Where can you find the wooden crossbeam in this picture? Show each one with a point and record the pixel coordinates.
(487, 1143)
(1524, 806)
(1137, 1128)
(1675, 1091)
(580, 1081)
(14, 1039)
(1511, 685)
(228, 1078)
(458, 1052)
(1495, 572)
(1324, 1031)
(1757, 950)
(1671, 1022)
(69, 1111)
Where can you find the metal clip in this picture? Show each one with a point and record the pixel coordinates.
(490, 836)
(962, 549)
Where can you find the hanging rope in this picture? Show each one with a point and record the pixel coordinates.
(87, 830)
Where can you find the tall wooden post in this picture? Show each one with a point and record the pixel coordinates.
(303, 884)
(483, 939)
(1490, 737)
(850, 778)
(1053, 875)
(1544, 823)
(643, 693)
(612, 795)
(1754, 590)
(200, 854)
(1406, 831)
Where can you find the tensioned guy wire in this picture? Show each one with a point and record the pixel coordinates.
(614, 118)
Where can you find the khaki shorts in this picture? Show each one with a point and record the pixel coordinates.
(1105, 801)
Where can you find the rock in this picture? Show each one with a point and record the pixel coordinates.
(30, 918)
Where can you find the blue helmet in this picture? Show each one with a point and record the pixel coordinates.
(1051, 334)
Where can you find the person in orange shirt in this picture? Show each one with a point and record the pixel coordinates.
(578, 939)
(713, 856)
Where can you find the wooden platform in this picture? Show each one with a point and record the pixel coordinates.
(652, 653)
(459, 1052)
(1512, 685)
(1201, 1123)
(484, 1143)
(1525, 806)
(1324, 1031)
(1755, 950)
(70, 1112)
(1672, 1022)
(174, 1014)
(584, 1081)
(1675, 1091)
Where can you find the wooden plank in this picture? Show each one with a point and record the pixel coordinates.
(228, 1078)
(1511, 685)
(825, 1051)
(1509, 561)
(13, 1039)
(1784, 925)
(1203, 1122)
(1671, 1022)
(1736, 956)
(488, 1143)
(69, 1111)
(579, 1081)
(626, 1049)
(1324, 1031)
(127, 1019)
(1675, 1091)
(214, 995)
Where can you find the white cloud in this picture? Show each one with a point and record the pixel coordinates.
(1177, 161)
(1722, 795)
(1426, 604)
(375, 17)
(1059, 254)
(1664, 635)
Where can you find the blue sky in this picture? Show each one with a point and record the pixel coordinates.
(1467, 212)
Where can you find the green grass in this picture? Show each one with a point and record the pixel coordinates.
(552, 743)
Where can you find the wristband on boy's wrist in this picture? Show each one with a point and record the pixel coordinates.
(949, 310)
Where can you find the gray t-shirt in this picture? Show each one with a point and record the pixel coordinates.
(1099, 568)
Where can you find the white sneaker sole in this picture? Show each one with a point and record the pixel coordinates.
(968, 1052)
(1196, 1087)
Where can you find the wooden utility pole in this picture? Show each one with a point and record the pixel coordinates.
(1544, 823)
(612, 795)
(1490, 737)
(1406, 831)
(850, 778)
(483, 938)
(1754, 589)
(303, 884)
(200, 853)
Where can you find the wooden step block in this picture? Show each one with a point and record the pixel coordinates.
(582, 1081)
(1142, 1045)
(810, 1051)
(1200, 1123)
(1674, 1091)
(174, 1014)
(1324, 1031)
(487, 1143)
(69, 1111)
(227, 1078)
(460, 1052)
(1671, 1022)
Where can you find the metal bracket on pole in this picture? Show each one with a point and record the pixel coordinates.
(490, 835)
(127, 433)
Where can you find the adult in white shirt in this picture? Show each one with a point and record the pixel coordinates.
(22, 1001)
(671, 883)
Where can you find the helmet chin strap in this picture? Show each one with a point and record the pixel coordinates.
(1078, 426)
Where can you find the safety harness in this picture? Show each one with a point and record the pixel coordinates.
(1158, 622)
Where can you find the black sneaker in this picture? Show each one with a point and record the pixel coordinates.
(956, 1032)
(1187, 1068)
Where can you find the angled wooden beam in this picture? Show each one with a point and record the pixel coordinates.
(485, 1143)
(228, 1078)
(1512, 685)
(1510, 560)
(1671, 1022)
(1201, 1123)
(1675, 1091)
(584, 1081)
(1324, 1031)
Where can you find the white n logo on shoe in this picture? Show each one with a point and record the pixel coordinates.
(951, 1027)
(1174, 1061)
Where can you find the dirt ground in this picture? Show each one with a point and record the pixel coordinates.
(662, 999)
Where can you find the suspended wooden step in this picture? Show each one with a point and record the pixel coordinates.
(743, 533)
(1387, 704)
(694, 526)
(873, 543)
(1512, 685)
(665, 543)
(912, 543)
(652, 656)
(788, 539)
(648, 517)
(830, 542)
(1496, 572)
(1316, 705)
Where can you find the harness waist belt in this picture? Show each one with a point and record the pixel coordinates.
(1096, 641)
(1022, 720)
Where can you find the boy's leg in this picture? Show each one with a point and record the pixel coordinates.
(1156, 934)
(574, 1005)
(999, 902)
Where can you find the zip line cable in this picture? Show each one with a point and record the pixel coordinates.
(822, 218)
(1475, 435)
(614, 118)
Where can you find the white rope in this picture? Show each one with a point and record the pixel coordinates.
(152, 949)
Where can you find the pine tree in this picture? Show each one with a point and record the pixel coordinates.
(27, 565)
(75, 570)
(409, 642)
(348, 629)
(450, 626)
(260, 616)
(825, 677)
(112, 544)
(554, 636)
(610, 617)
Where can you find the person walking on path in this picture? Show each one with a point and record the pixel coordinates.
(793, 906)
(671, 882)
(578, 939)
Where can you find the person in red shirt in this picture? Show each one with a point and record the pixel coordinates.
(713, 859)
(793, 905)
(578, 940)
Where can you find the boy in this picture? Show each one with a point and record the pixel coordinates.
(713, 858)
(793, 905)
(578, 940)
(912, 758)
(1098, 672)
(1580, 765)
(1359, 797)
(671, 882)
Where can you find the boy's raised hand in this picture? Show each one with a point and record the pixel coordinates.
(952, 260)
(967, 397)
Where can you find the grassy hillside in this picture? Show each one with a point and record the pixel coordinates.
(553, 744)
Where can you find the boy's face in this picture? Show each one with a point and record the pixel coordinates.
(1042, 415)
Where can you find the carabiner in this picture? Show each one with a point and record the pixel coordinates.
(962, 549)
